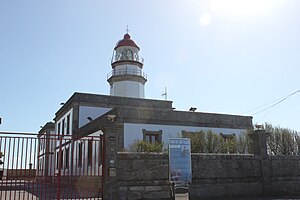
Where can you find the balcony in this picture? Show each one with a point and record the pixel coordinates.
(119, 73)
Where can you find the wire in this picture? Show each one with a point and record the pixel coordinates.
(256, 108)
(276, 103)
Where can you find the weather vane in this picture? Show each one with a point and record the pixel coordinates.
(127, 29)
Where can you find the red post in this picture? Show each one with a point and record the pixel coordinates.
(59, 167)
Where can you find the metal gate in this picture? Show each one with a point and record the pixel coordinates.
(50, 166)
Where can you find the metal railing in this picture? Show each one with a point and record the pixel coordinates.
(42, 168)
(124, 72)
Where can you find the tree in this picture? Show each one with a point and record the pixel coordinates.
(282, 141)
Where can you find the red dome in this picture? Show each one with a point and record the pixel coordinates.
(126, 41)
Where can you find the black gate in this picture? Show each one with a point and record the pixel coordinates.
(50, 167)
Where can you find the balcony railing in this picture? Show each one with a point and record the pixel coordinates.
(124, 72)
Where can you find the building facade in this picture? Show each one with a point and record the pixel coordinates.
(81, 121)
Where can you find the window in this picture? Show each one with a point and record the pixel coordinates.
(68, 124)
(63, 127)
(90, 152)
(67, 158)
(57, 159)
(127, 54)
(58, 129)
(80, 154)
(152, 136)
(62, 159)
(100, 152)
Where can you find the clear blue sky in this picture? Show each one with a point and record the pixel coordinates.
(219, 57)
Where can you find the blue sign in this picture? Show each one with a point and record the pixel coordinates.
(180, 167)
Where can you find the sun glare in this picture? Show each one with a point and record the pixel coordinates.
(242, 7)
(205, 19)
(236, 9)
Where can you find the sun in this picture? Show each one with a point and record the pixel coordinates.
(240, 8)
(237, 10)
(205, 19)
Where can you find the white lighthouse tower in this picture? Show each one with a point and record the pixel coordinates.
(127, 78)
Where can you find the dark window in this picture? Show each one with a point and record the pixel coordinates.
(58, 129)
(57, 159)
(63, 127)
(79, 154)
(152, 137)
(67, 158)
(62, 159)
(100, 152)
(90, 152)
(68, 124)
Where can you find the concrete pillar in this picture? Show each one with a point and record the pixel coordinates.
(111, 139)
(259, 138)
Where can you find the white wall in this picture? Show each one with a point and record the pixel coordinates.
(70, 112)
(134, 132)
(127, 66)
(128, 89)
(85, 169)
(90, 111)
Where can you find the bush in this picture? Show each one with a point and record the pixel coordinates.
(142, 146)
(209, 142)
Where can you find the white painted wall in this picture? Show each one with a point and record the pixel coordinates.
(128, 89)
(127, 66)
(133, 132)
(85, 169)
(70, 112)
(89, 111)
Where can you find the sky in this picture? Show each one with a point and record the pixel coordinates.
(220, 56)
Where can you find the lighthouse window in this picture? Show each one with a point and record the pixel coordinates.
(127, 54)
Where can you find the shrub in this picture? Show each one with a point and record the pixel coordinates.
(143, 146)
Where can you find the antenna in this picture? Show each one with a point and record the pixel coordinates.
(165, 93)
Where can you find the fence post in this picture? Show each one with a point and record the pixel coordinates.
(259, 138)
(109, 175)
(59, 168)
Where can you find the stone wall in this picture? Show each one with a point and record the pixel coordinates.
(145, 176)
(142, 176)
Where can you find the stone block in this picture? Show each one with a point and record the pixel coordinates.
(137, 188)
(152, 188)
(123, 188)
(157, 195)
(132, 195)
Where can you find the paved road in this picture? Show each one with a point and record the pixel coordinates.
(29, 190)
(253, 198)
(17, 195)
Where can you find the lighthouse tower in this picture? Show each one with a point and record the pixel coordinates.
(127, 78)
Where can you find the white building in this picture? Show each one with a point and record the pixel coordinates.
(84, 117)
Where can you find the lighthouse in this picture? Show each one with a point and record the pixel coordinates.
(127, 78)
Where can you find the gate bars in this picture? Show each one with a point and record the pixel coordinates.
(51, 166)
